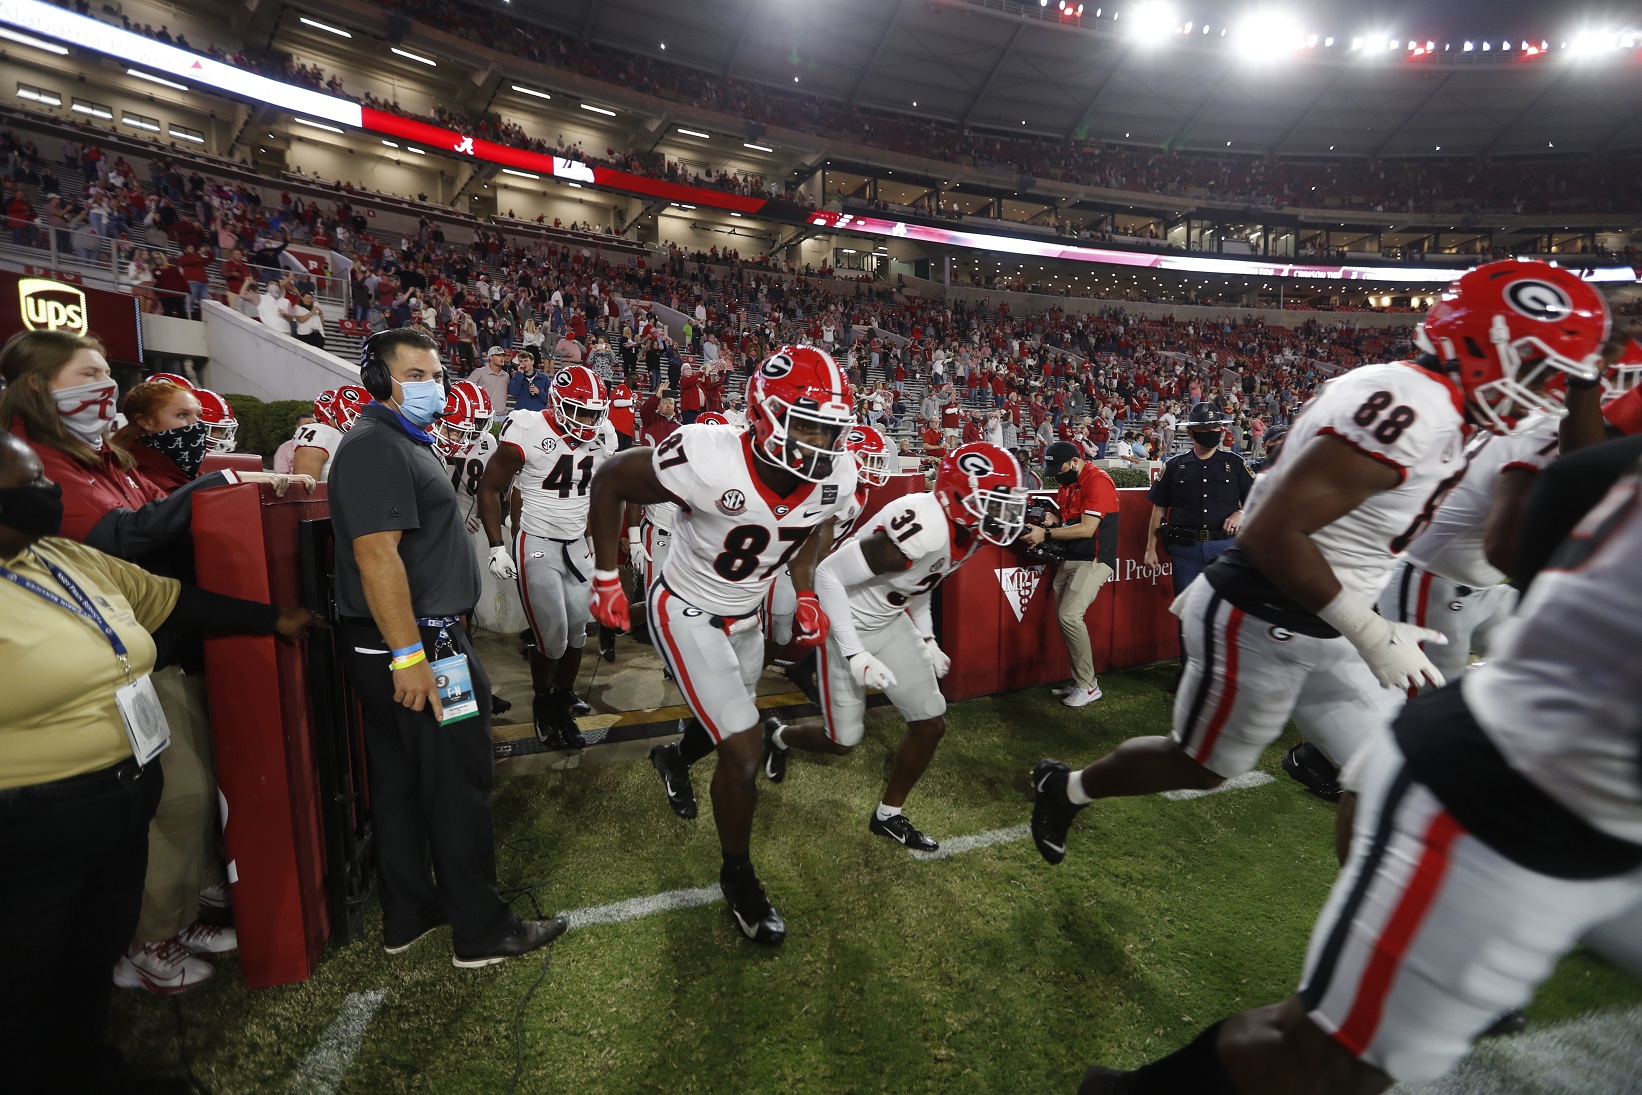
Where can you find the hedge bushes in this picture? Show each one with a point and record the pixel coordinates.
(1131, 477)
(264, 427)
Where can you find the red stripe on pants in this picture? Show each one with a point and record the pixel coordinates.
(1228, 692)
(678, 665)
(1363, 1021)
(1424, 595)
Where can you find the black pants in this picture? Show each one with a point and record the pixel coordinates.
(72, 859)
(430, 800)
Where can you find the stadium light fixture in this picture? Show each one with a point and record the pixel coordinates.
(1269, 30)
(417, 57)
(756, 147)
(326, 27)
(1153, 22)
(141, 75)
(522, 90)
(310, 123)
(35, 43)
(413, 148)
(520, 174)
(390, 144)
(606, 111)
(706, 136)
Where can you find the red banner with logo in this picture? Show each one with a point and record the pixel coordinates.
(998, 621)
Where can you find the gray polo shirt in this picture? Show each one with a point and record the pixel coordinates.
(381, 479)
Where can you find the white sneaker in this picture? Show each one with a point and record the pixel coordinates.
(202, 938)
(1061, 691)
(164, 968)
(1080, 697)
(214, 897)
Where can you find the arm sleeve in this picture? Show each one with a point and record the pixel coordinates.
(128, 533)
(843, 568)
(1160, 493)
(1245, 481)
(201, 610)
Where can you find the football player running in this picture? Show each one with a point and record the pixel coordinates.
(749, 503)
(335, 412)
(875, 590)
(462, 436)
(553, 454)
(1283, 624)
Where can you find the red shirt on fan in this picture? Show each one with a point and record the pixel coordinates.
(933, 442)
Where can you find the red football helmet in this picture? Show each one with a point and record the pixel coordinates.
(339, 407)
(578, 401)
(1623, 375)
(711, 418)
(872, 454)
(467, 414)
(220, 423)
(171, 378)
(1511, 332)
(800, 387)
(979, 486)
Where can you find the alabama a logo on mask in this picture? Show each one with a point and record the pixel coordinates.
(1019, 584)
(52, 306)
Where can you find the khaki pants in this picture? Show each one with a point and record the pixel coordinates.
(185, 833)
(1077, 583)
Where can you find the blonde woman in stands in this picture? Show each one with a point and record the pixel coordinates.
(533, 336)
(141, 280)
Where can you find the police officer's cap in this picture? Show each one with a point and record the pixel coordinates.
(1205, 414)
(1057, 454)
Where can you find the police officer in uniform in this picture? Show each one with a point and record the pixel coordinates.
(1202, 492)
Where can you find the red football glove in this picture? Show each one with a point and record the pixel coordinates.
(809, 622)
(610, 601)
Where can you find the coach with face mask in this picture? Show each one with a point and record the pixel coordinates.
(405, 574)
(1201, 492)
(1088, 529)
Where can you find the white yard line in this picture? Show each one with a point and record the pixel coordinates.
(979, 840)
(635, 907)
(1236, 783)
(321, 1072)
(1601, 1052)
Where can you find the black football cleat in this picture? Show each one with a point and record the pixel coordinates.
(802, 674)
(607, 643)
(579, 708)
(903, 832)
(1307, 766)
(555, 728)
(751, 910)
(1052, 811)
(675, 777)
(775, 757)
(1100, 1080)
(499, 706)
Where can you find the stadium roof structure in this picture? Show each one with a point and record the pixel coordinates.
(1267, 84)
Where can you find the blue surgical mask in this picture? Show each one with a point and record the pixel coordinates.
(423, 401)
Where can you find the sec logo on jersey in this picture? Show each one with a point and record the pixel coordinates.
(732, 503)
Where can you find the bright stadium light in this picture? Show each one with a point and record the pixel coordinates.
(1152, 22)
(33, 43)
(326, 27)
(417, 57)
(1269, 30)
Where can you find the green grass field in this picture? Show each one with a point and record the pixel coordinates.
(987, 971)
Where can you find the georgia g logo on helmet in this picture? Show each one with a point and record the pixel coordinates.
(1538, 300)
(857, 437)
(564, 379)
(975, 463)
(777, 366)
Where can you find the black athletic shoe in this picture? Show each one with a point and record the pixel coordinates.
(751, 910)
(579, 708)
(555, 728)
(1511, 1023)
(802, 675)
(1307, 766)
(1100, 1080)
(775, 757)
(499, 706)
(675, 777)
(607, 644)
(525, 937)
(1052, 811)
(902, 831)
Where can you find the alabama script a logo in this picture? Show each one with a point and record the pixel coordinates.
(1019, 584)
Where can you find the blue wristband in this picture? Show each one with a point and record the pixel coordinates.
(404, 650)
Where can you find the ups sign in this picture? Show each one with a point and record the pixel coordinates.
(52, 306)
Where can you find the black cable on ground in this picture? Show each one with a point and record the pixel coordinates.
(518, 1018)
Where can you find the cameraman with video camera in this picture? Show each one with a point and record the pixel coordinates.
(1084, 539)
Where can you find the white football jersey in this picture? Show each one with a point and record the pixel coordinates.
(844, 523)
(1403, 417)
(1451, 546)
(661, 515)
(919, 527)
(557, 474)
(468, 468)
(317, 435)
(733, 534)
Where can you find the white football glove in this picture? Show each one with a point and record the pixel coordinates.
(868, 672)
(501, 563)
(936, 657)
(1392, 650)
(636, 554)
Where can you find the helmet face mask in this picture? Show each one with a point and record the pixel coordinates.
(871, 455)
(466, 416)
(802, 412)
(578, 402)
(979, 487)
(220, 424)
